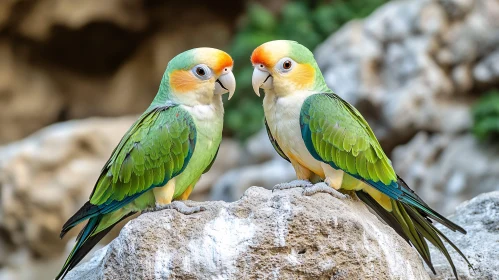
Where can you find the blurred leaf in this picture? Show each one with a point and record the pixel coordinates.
(486, 116)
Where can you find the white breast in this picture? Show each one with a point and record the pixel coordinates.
(283, 118)
(208, 119)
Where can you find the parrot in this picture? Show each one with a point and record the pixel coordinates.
(164, 153)
(328, 141)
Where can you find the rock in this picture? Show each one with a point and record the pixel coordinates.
(405, 65)
(480, 218)
(487, 70)
(259, 148)
(446, 168)
(43, 15)
(265, 235)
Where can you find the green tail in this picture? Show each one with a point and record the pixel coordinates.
(415, 227)
(89, 236)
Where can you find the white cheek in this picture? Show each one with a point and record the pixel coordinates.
(219, 89)
(268, 84)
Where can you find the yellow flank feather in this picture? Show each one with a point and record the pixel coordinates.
(164, 194)
(186, 193)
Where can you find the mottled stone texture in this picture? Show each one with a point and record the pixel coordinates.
(264, 235)
(480, 217)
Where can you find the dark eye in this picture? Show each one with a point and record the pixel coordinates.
(287, 64)
(200, 71)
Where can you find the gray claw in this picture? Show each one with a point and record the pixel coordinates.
(292, 184)
(324, 188)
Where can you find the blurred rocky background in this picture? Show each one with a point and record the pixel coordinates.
(75, 74)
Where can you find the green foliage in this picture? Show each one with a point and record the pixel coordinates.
(486, 116)
(309, 23)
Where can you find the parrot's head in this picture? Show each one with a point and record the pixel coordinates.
(198, 75)
(285, 67)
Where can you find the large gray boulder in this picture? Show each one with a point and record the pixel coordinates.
(264, 235)
(480, 217)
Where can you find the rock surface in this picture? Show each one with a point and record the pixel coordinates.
(265, 235)
(480, 217)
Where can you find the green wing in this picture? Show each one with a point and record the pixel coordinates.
(334, 132)
(341, 136)
(274, 142)
(155, 149)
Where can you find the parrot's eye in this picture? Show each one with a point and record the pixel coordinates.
(202, 71)
(287, 64)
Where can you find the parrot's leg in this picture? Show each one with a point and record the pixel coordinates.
(182, 208)
(334, 177)
(186, 193)
(324, 188)
(303, 175)
(164, 194)
(292, 184)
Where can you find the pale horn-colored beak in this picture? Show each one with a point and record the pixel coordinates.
(261, 79)
(226, 83)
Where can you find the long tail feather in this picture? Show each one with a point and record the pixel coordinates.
(414, 226)
(85, 241)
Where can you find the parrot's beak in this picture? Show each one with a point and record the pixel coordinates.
(226, 83)
(261, 79)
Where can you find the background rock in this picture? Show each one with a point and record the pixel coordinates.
(480, 218)
(258, 165)
(263, 235)
(446, 168)
(414, 65)
(64, 59)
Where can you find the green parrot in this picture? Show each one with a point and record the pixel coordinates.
(325, 138)
(164, 153)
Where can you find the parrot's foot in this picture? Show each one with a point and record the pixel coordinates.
(184, 209)
(292, 184)
(324, 188)
(179, 206)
